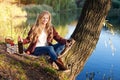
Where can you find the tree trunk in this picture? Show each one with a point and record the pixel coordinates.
(86, 35)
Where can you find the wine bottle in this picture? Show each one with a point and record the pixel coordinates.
(20, 47)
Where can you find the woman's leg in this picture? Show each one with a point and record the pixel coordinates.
(50, 50)
(47, 49)
(58, 48)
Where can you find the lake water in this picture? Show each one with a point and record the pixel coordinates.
(104, 63)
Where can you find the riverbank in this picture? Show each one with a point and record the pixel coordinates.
(16, 67)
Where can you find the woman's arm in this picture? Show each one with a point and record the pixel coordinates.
(58, 38)
(27, 39)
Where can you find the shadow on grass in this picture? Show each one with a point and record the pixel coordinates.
(33, 69)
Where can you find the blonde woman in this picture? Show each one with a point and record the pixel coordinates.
(40, 38)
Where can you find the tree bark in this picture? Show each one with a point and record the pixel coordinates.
(86, 35)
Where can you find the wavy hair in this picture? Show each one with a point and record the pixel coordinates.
(37, 28)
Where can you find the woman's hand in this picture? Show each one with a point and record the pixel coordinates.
(69, 42)
(20, 39)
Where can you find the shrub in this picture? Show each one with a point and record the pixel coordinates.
(10, 16)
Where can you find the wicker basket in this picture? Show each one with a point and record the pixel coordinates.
(10, 46)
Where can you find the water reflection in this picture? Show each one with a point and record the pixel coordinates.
(70, 31)
(104, 63)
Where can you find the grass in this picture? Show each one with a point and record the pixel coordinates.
(9, 71)
(50, 70)
(9, 19)
(21, 68)
(17, 67)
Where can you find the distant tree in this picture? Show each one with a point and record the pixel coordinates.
(86, 35)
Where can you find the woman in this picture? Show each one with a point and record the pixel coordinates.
(40, 38)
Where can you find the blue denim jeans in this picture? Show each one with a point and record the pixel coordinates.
(53, 50)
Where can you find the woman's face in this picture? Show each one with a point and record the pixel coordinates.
(44, 20)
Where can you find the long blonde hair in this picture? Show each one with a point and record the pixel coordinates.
(36, 28)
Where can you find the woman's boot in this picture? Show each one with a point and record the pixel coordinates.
(60, 64)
